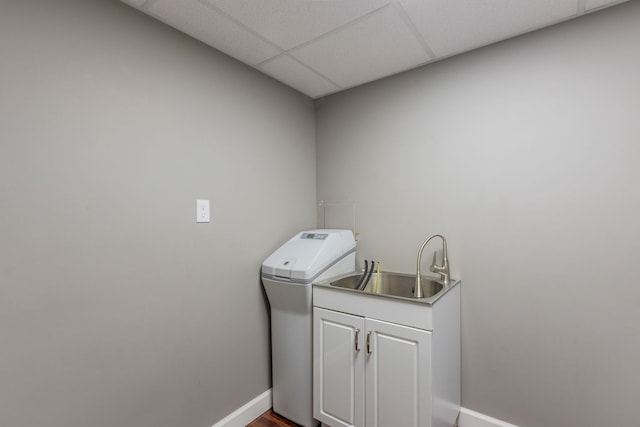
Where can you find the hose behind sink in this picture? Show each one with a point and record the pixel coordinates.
(366, 266)
(363, 284)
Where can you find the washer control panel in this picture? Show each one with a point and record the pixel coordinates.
(314, 236)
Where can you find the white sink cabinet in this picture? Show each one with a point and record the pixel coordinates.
(384, 362)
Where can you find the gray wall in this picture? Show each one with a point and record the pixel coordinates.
(525, 155)
(116, 308)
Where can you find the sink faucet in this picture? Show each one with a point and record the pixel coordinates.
(442, 269)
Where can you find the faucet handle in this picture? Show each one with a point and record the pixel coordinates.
(435, 268)
(442, 270)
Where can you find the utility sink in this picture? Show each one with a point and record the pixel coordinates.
(395, 285)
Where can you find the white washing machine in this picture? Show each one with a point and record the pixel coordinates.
(287, 276)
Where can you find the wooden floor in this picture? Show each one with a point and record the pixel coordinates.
(269, 419)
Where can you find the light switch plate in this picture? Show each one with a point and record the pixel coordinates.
(202, 211)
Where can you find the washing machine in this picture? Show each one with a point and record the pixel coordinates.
(287, 276)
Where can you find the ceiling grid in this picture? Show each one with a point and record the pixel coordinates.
(320, 47)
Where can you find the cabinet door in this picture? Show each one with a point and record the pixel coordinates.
(338, 368)
(398, 375)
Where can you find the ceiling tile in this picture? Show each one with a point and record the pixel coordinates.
(594, 4)
(454, 26)
(376, 46)
(289, 23)
(296, 75)
(135, 3)
(207, 25)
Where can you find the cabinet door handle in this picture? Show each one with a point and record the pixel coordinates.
(357, 341)
(369, 342)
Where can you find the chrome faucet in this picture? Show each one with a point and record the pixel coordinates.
(442, 269)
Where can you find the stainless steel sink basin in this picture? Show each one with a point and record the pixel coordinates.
(390, 284)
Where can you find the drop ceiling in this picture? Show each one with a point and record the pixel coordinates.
(321, 47)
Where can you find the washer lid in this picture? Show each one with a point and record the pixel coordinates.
(308, 253)
(284, 267)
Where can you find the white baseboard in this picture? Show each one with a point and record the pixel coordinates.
(259, 405)
(248, 412)
(469, 418)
